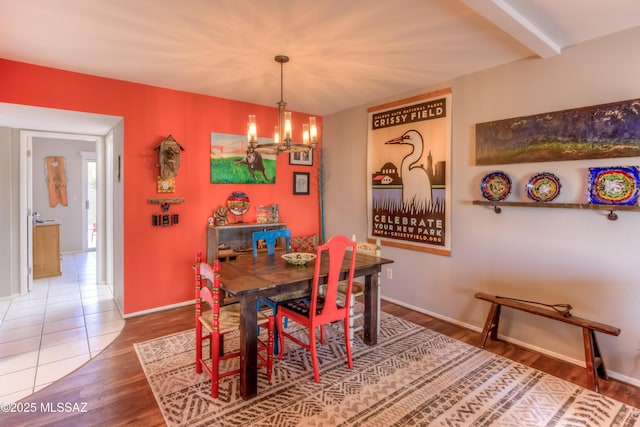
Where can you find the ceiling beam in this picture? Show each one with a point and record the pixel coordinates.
(502, 14)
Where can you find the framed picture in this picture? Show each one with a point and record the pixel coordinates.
(304, 159)
(231, 163)
(300, 183)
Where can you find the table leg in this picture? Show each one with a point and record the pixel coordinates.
(370, 327)
(248, 348)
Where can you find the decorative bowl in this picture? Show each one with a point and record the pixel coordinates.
(298, 258)
(614, 185)
(543, 187)
(495, 186)
(238, 203)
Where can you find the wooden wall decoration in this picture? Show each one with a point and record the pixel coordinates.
(169, 157)
(56, 180)
(169, 162)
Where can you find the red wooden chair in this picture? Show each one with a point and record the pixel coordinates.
(219, 321)
(319, 310)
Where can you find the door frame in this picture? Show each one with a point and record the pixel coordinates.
(87, 156)
(104, 206)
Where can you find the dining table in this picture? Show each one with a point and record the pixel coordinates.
(249, 279)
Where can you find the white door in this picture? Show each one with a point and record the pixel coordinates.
(89, 191)
(26, 211)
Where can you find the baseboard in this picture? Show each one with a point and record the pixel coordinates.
(157, 309)
(546, 352)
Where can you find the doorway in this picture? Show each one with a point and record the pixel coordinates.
(89, 192)
(94, 191)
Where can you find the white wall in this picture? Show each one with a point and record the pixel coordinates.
(549, 255)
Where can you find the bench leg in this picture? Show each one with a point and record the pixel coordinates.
(491, 325)
(593, 359)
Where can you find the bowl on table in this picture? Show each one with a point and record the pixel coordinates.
(298, 258)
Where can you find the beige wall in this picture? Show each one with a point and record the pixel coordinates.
(8, 254)
(70, 216)
(548, 255)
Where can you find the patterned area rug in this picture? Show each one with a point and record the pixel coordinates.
(414, 376)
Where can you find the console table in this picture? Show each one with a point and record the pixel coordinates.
(236, 236)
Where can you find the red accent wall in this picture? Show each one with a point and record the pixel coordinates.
(157, 260)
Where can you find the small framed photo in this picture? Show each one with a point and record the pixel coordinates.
(300, 183)
(304, 159)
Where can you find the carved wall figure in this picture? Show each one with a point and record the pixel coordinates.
(169, 157)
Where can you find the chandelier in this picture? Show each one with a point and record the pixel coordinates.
(282, 140)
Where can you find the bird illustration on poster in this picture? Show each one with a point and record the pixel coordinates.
(416, 184)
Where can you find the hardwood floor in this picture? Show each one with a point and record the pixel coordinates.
(113, 390)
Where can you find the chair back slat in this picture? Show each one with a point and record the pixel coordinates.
(271, 237)
(335, 249)
(204, 273)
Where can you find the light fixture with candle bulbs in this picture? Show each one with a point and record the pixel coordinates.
(282, 140)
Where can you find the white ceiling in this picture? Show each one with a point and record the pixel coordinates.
(343, 53)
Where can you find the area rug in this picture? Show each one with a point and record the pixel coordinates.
(414, 376)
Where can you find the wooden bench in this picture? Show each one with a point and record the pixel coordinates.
(593, 358)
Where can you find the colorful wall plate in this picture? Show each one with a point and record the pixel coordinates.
(543, 187)
(614, 185)
(238, 203)
(495, 186)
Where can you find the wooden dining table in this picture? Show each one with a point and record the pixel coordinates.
(250, 279)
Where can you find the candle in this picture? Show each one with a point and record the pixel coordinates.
(287, 125)
(313, 130)
(252, 133)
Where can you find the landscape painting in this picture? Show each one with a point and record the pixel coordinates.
(231, 163)
(595, 132)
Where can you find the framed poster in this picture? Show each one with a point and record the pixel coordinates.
(300, 183)
(231, 163)
(409, 149)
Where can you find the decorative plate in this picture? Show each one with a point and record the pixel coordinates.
(543, 187)
(495, 186)
(238, 203)
(298, 258)
(614, 185)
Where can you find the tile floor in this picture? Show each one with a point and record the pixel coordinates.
(60, 325)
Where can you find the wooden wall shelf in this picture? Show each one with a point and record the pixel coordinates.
(497, 206)
(160, 200)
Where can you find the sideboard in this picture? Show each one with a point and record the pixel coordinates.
(237, 239)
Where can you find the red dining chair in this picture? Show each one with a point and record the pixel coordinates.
(219, 321)
(318, 310)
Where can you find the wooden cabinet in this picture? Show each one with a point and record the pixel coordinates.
(238, 239)
(46, 250)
